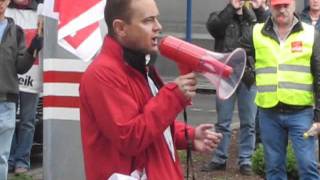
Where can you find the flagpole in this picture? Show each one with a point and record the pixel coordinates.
(188, 39)
(189, 21)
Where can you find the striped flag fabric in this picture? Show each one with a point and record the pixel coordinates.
(61, 88)
(74, 26)
(78, 32)
(78, 28)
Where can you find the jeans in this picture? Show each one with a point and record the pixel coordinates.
(7, 124)
(247, 112)
(275, 129)
(23, 136)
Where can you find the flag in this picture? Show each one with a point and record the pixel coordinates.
(78, 32)
(27, 19)
(78, 25)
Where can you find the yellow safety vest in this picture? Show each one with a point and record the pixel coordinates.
(283, 71)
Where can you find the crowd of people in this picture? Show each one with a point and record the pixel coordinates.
(282, 68)
(128, 115)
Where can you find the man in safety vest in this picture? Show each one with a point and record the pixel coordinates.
(287, 67)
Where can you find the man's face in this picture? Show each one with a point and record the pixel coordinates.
(283, 13)
(3, 6)
(21, 2)
(142, 32)
(314, 5)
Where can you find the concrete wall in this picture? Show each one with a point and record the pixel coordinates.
(173, 13)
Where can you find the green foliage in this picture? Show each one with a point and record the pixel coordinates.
(258, 162)
(21, 176)
(292, 168)
(182, 155)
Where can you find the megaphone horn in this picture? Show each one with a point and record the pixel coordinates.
(224, 71)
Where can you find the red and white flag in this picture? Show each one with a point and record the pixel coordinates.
(78, 32)
(27, 19)
(78, 25)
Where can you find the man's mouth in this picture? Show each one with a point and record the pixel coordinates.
(155, 41)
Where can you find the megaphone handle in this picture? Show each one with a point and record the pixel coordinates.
(184, 69)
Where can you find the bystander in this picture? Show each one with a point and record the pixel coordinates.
(287, 65)
(227, 26)
(14, 58)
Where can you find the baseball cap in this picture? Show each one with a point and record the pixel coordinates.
(277, 2)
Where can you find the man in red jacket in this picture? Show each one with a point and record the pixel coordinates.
(128, 115)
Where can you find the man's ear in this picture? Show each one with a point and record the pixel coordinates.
(119, 27)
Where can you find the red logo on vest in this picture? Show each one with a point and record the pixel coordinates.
(296, 46)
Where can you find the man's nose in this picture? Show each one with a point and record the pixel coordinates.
(282, 8)
(158, 26)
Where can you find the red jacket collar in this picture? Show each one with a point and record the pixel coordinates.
(112, 47)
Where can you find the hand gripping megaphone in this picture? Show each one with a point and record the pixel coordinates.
(224, 71)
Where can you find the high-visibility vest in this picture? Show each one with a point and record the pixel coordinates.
(283, 71)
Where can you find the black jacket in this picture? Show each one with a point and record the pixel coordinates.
(226, 27)
(14, 59)
(247, 43)
(305, 17)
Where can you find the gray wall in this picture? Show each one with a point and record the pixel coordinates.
(173, 12)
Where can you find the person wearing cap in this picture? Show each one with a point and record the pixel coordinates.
(287, 68)
(311, 14)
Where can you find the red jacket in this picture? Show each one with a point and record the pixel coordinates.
(122, 124)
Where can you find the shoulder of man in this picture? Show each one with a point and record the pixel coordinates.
(16, 29)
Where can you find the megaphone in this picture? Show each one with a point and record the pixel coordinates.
(224, 71)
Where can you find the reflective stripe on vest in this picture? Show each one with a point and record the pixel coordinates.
(283, 71)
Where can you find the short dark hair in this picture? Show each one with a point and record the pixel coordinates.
(116, 9)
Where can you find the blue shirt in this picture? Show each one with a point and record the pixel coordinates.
(3, 25)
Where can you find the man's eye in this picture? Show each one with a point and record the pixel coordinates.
(149, 20)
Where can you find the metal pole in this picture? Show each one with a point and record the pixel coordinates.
(185, 116)
(306, 3)
(189, 21)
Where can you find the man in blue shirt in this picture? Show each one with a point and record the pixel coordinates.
(15, 58)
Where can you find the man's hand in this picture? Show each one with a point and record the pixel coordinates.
(256, 4)
(237, 4)
(187, 84)
(36, 44)
(316, 125)
(313, 131)
(206, 140)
